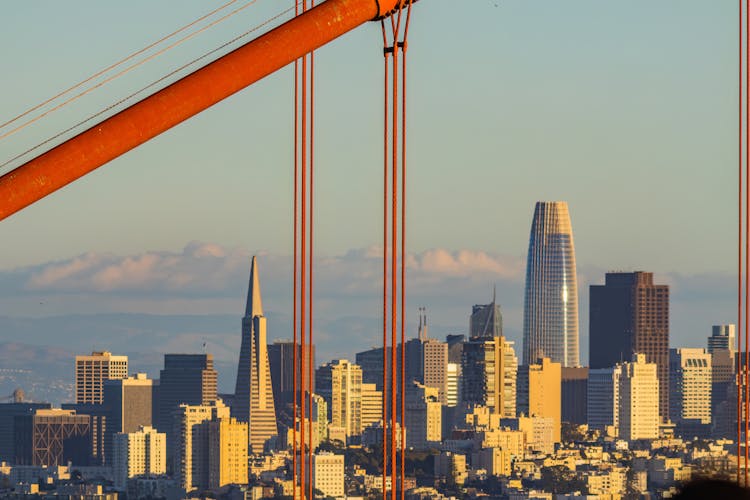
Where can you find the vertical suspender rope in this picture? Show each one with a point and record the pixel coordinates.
(395, 375)
(403, 250)
(738, 359)
(295, 342)
(310, 289)
(385, 256)
(394, 263)
(747, 233)
(303, 264)
(303, 273)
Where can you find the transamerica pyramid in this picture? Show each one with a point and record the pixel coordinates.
(253, 394)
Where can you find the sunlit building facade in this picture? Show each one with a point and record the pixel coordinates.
(253, 394)
(550, 319)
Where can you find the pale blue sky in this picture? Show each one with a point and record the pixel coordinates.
(626, 110)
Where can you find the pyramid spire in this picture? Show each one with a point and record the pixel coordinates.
(254, 305)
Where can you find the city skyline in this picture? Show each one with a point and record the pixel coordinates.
(108, 267)
(624, 113)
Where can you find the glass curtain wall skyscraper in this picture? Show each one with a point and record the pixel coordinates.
(550, 318)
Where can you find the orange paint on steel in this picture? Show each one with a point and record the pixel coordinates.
(295, 343)
(739, 246)
(394, 262)
(303, 296)
(747, 240)
(183, 99)
(403, 265)
(310, 270)
(385, 258)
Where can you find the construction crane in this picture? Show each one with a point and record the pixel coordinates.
(185, 98)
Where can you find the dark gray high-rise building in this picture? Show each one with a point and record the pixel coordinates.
(129, 403)
(186, 379)
(371, 362)
(281, 363)
(455, 347)
(630, 314)
(98, 416)
(486, 320)
(722, 337)
(253, 392)
(52, 437)
(8, 413)
(574, 394)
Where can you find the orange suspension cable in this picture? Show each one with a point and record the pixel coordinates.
(403, 256)
(118, 63)
(394, 261)
(385, 255)
(747, 240)
(397, 369)
(310, 289)
(294, 279)
(404, 46)
(303, 296)
(739, 246)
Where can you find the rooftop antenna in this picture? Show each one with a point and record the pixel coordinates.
(421, 325)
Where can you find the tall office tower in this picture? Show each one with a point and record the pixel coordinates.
(482, 374)
(227, 452)
(455, 347)
(328, 474)
(340, 384)
(452, 377)
(143, 452)
(372, 405)
(186, 379)
(722, 337)
(52, 437)
(129, 405)
(371, 363)
(488, 375)
(639, 400)
(721, 345)
(191, 468)
(574, 394)
(690, 394)
(539, 392)
(281, 364)
(550, 311)
(8, 414)
(423, 414)
(98, 416)
(603, 392)
(510, 379)
(253, 393)
(320, 417)
(630, 314)
(486, 320)
(93, 370)
(426, 359)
